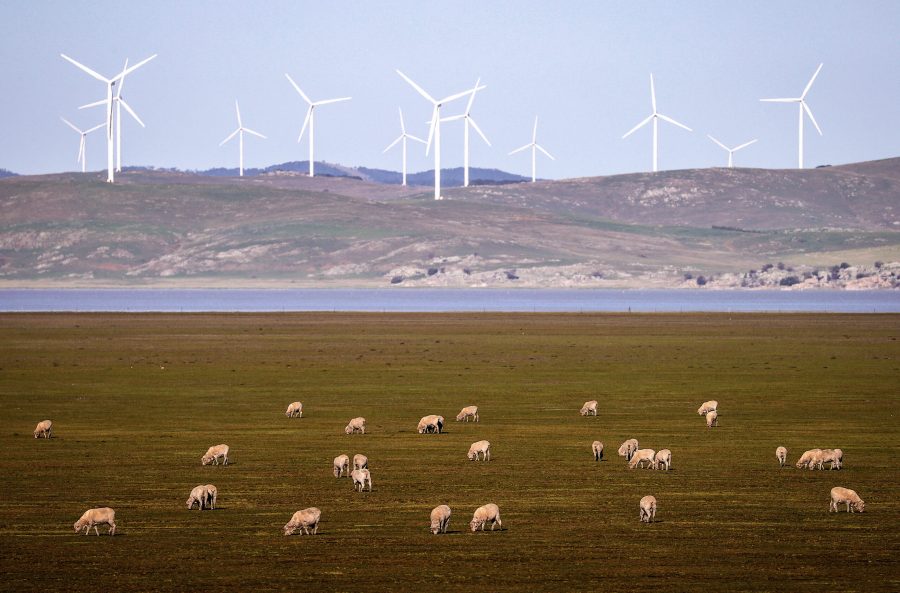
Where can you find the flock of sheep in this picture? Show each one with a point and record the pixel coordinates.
(307, 520)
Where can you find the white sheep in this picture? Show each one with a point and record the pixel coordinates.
(663, 457)
(479, 447)
(489, 513)
(589, 408)
(294, 408)
(648, 509)
(712, 419)
(341, 465)
(212, 494)
(833, 456)
(213, 454)
(306, 520)
(808, 459)
(468, 412)
(628, 448)
(360, 461)
(440, 519)
(94, 517)
(43, 429)
(781, 455)
(431, 423)
(360, 477)
(640, 456)
(198, 495)
(707, 407)
(597, 449)
(846, 496)
(356, 425)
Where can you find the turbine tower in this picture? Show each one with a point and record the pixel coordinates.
(82, 157)
(310, 119)
(403, 136)
(731, 151)
(110, 83)
(534, 148)
(240, 131)
(434, 131)
(468, 121)
(655, 117)
(801, 100)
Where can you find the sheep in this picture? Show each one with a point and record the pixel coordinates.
(440, 519)
(198, 495)
(832, 456)
(294, 408)
(628, 448)
(94, 517)
(589, 408)
(597, 448)
(648, 509)
(306, 520)
(482, 447)
(808, 459)
(712, 419)
(430, 423)
(213, 454)
(43, 429)
(360, 477)
(356, 425)
(710, 406)
(781, 455)
(846, 496)
(360, 461)
(212, 494)
(640, 456)
(489, 513)
(468, 412)
(341, 465)
(663, 457)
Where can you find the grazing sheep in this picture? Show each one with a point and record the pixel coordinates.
(356, 425)
(360, 461)
(468, 412)
(781, 455)
(431, 424)
(440, 519)
(306, 520)
(482, 447)
(43, 429)
(489, 513)
(589, 408)
(712, 419)
(94, 517)
(341, 465)
(360, 477)
(294, 408)
(707, 407)
(846, 496)
(663, 457)
(648, 509)
(198, 495)
(213, 454)
(832, 456)
(597, 448)
(808, 459)
(212, 494)
(628, 448)
(640, 456)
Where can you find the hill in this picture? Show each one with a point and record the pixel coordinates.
(282, 228)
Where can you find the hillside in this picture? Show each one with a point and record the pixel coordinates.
(282, 228)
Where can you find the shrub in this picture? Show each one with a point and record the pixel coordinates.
(878, 265)
(432, 271)
(789, 281)
(396, 279)
(511, 275)
(844, 265)
(701, 281)
(688, 276)
(780, 265)
(467, 271)
(767, 267)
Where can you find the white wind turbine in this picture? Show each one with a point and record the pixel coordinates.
(655, 117)
(240, 131)
(403, 136)
(82, 157)
(310, 119)
(434, 131)
(110, 82)
(731, 151)
(468, 121)
(803, 107)
(534, 146)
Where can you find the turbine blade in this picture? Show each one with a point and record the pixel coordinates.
(327, 101)
(811, 80)
(416, 138)
(249, 131)
(635, 128)
(133, 68)
(780, 100)
(520, 149)
(672, 121)
(230, 136)
(809, 113)
(534, 133)
(541, 148)
(305, 122)
(652, 93)
(717, 142)
(402, 125)
(744, 145)
(472, 97)
(297, 88)
(95, 128)
(86, 69)
(94, 104)
(419, 89)
(238, 111)
(122, 81)
(434, 118)
(480, 133)
(71, 125)
(462, 94)
(392, 144)
(131, 111)
(453, 117)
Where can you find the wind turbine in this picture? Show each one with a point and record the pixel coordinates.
(731, 151)
(434, 131)
(311, 119)
(655, 117)
(468, 121)
(110, 82)
(534, 148)
(82, 158)
(403, 136)
(240, 130)
(803, 107)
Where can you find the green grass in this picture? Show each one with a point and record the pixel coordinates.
(137, 399)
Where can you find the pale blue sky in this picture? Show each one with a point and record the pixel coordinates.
(583, 67)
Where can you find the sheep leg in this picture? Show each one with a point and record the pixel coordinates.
(97, 531)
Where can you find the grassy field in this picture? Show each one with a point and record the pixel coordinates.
(137, 399)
